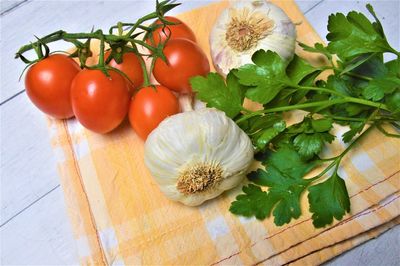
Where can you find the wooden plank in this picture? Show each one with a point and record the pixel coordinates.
(28, 165)
(383, 250)
(6, 6)
(306, 5)
(50, 16)
(39, 236)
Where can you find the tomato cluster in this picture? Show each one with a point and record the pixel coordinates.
(100, 102)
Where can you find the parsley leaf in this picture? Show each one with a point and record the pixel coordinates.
(265, 78)
(310, 136)
(298, 69)
(318, 48)
(379, 87)
(328, 200)
(284, 177)
(353, 35)
(268, 134)
(253, 125)
(393, 67)
(309, 145)
(254, 202)
(355, 128)
(213, 90)
(393, 102)
(262, 129)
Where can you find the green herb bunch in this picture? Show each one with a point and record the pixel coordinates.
(362, 92)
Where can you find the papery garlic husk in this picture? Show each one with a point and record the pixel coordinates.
(248, 26)
(195, 156)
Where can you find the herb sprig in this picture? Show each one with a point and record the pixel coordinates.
(363, 92)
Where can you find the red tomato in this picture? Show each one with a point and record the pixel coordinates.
(131, 66)
(185, 60)
(180, 30)
(100, 103)
(149, 106)
(48, 85)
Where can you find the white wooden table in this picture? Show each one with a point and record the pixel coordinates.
(34, 226)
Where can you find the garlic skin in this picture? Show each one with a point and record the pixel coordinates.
(195, 156)
(248, 26)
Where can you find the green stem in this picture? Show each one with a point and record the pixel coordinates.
(337, 160)
(381, 129)
(367, 103)
(140, 21)
(325, 104)
(146, 81)
(351, 74)
(355, 75)
(393, 51)
(354, 119)
(319, 89)
(289, 108)
(348, 98)
(312, 104)
(343, 118)
(71, 37)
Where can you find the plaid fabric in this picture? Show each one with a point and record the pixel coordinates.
(119, 216)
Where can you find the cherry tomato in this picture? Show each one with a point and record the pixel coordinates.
(149, 106)
(131, 66)
(185, 60)
(100, 103)
(180, 30)
(48, 85)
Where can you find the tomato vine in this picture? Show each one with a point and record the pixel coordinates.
(128, 37)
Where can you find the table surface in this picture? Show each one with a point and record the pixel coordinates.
(34, 225)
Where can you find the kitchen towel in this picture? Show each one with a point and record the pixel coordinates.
(119, 216)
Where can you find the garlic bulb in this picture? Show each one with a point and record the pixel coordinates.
(247, 26)
(195, 156)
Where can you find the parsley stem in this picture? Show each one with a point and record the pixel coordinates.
(325, 104)
(291, 107)
(320, 89)
(337, 160)
(354, 142)
(343, 118)
(355, 75)
(381, 129)
(366, 102)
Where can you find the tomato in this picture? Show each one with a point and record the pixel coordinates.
(131, 66)
(48, 84)
(149, 107)
(185, 60)
(100, 103)
(180, 30)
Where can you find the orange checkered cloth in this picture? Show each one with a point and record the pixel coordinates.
(119, 216)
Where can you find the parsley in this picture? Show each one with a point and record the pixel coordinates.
(311, 136)
(353, 35)
(213, 90)
(355, 128)
(284, 177)
(327, 200)
(265, 78)
(253, 203)
(362, 92)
